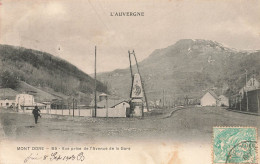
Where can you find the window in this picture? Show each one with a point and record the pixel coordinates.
(7, 104)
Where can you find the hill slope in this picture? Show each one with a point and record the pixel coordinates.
(25, 69)
(188, 68)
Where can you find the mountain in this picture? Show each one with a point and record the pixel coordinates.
(187, 69)
(47, 76)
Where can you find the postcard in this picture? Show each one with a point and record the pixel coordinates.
(120, 81)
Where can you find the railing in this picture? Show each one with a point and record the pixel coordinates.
(101, 112)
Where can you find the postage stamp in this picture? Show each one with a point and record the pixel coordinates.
(234, 145)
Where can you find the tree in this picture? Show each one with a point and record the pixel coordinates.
(9, 80)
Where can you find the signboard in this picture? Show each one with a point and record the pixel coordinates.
(137, 89)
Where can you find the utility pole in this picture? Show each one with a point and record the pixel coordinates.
(107, 107)
(79, 104)
(254, 79)
(73, 106)
(163, 99)
(69, 108)
(246, 93)
(78, 109)
(95, 113)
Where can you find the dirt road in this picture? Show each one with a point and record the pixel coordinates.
(190, 124)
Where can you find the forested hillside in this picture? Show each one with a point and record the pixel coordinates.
(43, 71)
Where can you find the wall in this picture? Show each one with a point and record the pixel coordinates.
(208, 100)
(111, 112)
(3, 103)
(24, 99)
(223, 101)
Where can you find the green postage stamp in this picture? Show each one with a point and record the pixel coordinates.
(234, 145)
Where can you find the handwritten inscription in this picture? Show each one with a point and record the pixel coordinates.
(55, 156)
(64, 153)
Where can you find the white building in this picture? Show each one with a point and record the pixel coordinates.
(7, 97)
(118, 110)
(209, 99)
(121, 105)
(7, 103)
(223, 101)
(24, 100)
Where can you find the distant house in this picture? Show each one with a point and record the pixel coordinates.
(111, 106)
(252, 84)
(7, 103)
(102, 96)
(209, 99)
(223, 101)
(7, 97)
(104, 100)
(119, 109)
(47, 104)
(110, 103)
(123, 104)
(25, 101)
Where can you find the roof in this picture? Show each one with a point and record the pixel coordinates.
(252, 81)
(7, 93)
(119, 103)
(7, 100)
(251, 84)
(223, 96)
(212, 93)
(46, 102)
(103, 94)
(109, 102)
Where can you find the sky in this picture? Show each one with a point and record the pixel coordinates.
(70, 29)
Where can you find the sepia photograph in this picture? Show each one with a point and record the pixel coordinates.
(129, 81)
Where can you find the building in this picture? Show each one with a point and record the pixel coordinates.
(7, 103)
(252, 84)
(249, 103)
(7, 97)
(223, 101)
(209, 99)
(47, 104)
(102, 96)
(110, 103)
(121, 109)
(123, 104)
(25, 101)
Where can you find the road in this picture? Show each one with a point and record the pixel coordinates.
(192, 124)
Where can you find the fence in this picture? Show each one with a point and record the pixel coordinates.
(101, 112)
(250, 102)
(65, 112)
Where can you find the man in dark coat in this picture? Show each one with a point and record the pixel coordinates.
(36, 113)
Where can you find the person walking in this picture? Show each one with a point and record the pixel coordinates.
(36, 112)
